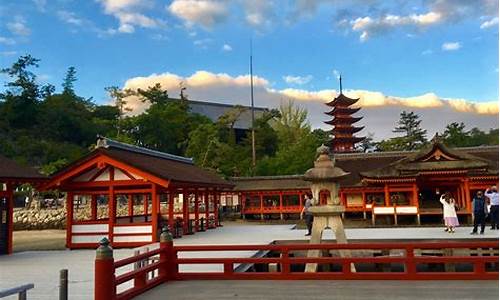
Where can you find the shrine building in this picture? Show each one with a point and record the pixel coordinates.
(11, 176)
(127, 193)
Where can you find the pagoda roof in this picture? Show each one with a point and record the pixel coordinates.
(353, 139)
(435, 157)
(350, 129)
(343, 120)
(343, 110)
(342, 100)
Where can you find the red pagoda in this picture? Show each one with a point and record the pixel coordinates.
(343, 130)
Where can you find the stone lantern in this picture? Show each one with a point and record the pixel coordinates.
(325, 176)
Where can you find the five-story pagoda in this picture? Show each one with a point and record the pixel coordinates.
(343, 130)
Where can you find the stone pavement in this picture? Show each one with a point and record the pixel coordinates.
(324, 289)
(42, 267)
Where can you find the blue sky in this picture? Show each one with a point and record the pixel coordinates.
(436, 54)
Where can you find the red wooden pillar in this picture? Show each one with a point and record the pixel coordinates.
(196, 211)
(467, 196)
(243, 200)
(154, 211)
(10, 216)
(386, 195)
(415, 195)
(281, 205)
(93, 207)
(207, 208)
(111, 212)
(145, 205)
(171, 209)
(130, 203)
(69, 217)
(216, 207)
(185, 211)
(261, 197)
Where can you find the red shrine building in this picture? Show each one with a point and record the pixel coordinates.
(11, 176)
(397, 183)
(127, 193)
(342, 120)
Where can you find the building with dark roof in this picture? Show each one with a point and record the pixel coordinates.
(410, 182)
(126, 193)
(12, 174)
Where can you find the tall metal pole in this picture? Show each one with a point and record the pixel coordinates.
(253, 110)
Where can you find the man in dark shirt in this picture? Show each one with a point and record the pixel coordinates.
(479, 207)
(305, 211)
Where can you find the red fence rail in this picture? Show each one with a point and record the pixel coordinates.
(111, 282)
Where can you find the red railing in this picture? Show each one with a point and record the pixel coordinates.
(407, 257)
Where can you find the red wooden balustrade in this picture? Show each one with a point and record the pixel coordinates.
(166, 262)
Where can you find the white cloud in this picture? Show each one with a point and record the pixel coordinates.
(7, 41)
(205, 13)
(129, 14)
(336, 73)
(203, 43)
(297, 79)
(227, 48)
(259, 13)
(380, 111)
(40, 4)
(489, 23)
(451, 46)
(70, 17)
(427, 52)
(8, 53)
(369, 27)
(19, 27)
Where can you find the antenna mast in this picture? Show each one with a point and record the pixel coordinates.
(253, 110)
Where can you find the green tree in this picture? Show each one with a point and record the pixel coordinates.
(69, 80)
(119, 99)
(455, 135)
(413, 135)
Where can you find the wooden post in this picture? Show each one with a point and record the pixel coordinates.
(185, 211)
(130, 203)
(243, 203)
(154, 211)
(207, 209)
(93, 207)
(69, 217)
(196, 211)
(386, 195)
(171, 209)
(104, 272)
(145, 206)
(216, 207)
(111, 212)
(281, 205)
(166, 249)
(415, 195)
(10, 217)
(468, 203)
(261, 197)
(363, 198)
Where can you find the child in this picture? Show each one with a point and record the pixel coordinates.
(449, 213)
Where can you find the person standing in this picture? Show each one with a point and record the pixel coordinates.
(449, 213)
(492, 194)
(305, 211)
(479, 206)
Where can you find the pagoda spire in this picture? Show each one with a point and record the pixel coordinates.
(343, 122)
(340, 83)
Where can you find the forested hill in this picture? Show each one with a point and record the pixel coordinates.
(48, 127)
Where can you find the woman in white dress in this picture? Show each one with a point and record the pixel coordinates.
(449, 213)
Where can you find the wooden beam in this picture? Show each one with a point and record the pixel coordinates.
(196, 211)
(154, 212)
(69, 218)
(93, 209)
(171, 210)
(111, 212)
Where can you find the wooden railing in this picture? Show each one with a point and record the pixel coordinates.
(166, 264)
(21, 291)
